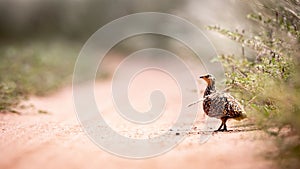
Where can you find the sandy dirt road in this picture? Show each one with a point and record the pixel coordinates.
(56, 140)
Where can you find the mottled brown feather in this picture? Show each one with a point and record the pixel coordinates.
(220, 105)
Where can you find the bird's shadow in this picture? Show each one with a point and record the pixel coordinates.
(235, 129)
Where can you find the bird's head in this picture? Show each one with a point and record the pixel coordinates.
(209, 78)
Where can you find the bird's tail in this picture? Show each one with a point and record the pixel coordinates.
(242, 116)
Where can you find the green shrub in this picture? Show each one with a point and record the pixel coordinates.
(268, 80)
(9, 96)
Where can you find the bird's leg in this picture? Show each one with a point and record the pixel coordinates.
(224, 119)
(219, 129)
(225, 127)
(224, 122)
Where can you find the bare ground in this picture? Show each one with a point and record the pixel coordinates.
(54, 138)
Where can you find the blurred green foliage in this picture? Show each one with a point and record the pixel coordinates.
(267, 78)
(36, 67)
(9, 96)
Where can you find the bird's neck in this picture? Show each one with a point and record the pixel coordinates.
(210, 89)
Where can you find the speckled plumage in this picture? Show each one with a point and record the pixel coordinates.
(220, 105)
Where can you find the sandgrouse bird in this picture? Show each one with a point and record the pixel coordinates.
(220, 105)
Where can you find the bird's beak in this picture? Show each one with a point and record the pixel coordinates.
(201, 77)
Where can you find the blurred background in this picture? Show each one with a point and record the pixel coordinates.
(77, 20)
(41, 39)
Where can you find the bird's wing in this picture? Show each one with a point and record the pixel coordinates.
(233, 108)
(223, 104)
(215, 105)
